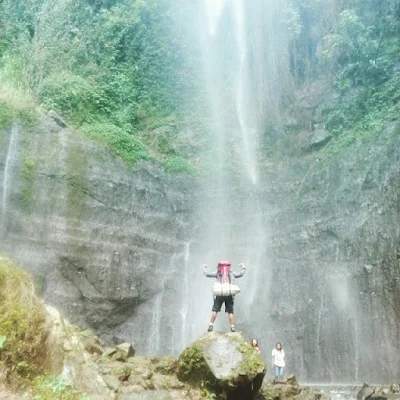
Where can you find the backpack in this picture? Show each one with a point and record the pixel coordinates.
(224, 287)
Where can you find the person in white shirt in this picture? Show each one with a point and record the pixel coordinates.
(278, 361)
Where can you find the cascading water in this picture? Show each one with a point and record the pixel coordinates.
(185, 296)
(155, 341)
(233, 221)
(12, 146)
(242, 97)
(164, 338)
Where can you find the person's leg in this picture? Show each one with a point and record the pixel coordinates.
(229, 310)
(281, 372)
(218, 300)
(213, 317)
(276, 368)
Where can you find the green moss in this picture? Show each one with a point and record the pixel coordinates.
(192, 368)
(166, 365)
(28, 171)
(55, 387)
(122, 373)
(26, 114)
(176, 164)
(252, 363)
(122, 144)
(39, 283)
(21, 323)
(6, 115)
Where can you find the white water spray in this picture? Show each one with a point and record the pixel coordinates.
(356, 355)
(155, 341)
(7, 175)
(232, 223)
(241, 93)
(185, 292)
(214, 9)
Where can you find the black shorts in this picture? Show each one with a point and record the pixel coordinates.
(219, 300)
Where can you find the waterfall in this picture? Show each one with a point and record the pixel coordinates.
(232, 218)
(185, 296)
(155, 334)
(214, 8)
(242, 98)
(155, 339)
(10, 155)
(356, 353)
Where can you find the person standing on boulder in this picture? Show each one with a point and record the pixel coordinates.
(278, 361)
(223, 272)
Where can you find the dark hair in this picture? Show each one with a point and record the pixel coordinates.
(280, 344)
(255, 340)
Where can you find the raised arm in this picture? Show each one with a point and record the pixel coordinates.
(242, 271)
(209, 274)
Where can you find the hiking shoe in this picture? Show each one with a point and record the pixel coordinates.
(210, 328)
(233, 329)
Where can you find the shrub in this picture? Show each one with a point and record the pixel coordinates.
(15, 104)
(178, 164)
(21, 323)
(55, 387)
(77, 98)
(122, 144)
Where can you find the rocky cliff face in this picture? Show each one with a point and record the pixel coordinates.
(118, 249)
(98, 236)
(335, 294)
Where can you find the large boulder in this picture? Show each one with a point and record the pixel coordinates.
(67, 354)
(223, 363)
(365, 392)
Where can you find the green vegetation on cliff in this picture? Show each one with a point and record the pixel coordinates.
(354, 44)
(21, 324)
(15, 104)
(114, 68)
(122, 71)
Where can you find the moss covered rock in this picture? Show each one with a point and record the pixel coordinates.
(223, 363)
(22, 324)
(165, 365)
(288, 389)
(37, 343)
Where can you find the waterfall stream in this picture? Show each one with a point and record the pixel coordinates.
(10, 155)
(185, 296)
(155, 337)
(242, 96)
(231, 228)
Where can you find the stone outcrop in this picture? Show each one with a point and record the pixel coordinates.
(49, 345)
(223, 363)
(67, 354)
(97, 236)
(39, 341)
(288, 388)
(387, 392)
